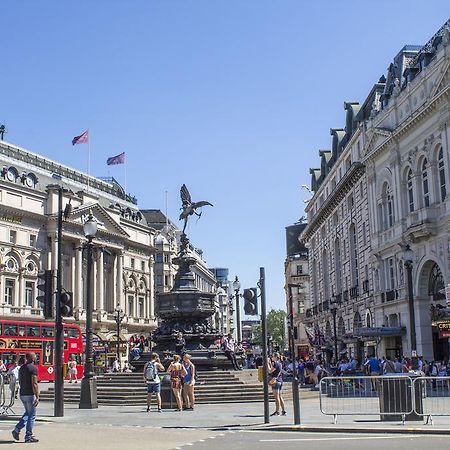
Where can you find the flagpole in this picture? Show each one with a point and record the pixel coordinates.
(125, 170)
(89, 159)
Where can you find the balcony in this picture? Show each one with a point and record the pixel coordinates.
(345, 295)
(365, 286)
(338, 298)
(354, 292)
(391, 295)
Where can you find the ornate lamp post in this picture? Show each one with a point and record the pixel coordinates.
(237, 287)
(88, 397)
(408, 259)
(119, 315)
(333, 308)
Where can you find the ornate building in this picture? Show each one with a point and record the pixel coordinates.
(383, 187)
(123, 263)
(406, 153)
(296, 274)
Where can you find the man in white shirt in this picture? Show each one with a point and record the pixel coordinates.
(228, 347)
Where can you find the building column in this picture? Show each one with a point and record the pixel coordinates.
(114, 281)
(100, 283)
(120, 299)
(20, 300)
(151, 288)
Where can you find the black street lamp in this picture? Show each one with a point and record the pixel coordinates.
(408, 259)
(237, 287)
(295, 393)
(333, 308)
(118, 317)
(88, 397)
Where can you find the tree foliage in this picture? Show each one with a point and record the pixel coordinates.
(275, 328)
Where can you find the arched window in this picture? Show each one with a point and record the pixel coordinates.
(354, 255)
(409, 186)
(386, 208)
(368, 320)
(425, 184)
(441, 168)
(315, 286)
(337, 266)
(326, 276)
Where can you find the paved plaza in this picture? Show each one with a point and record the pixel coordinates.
(234, 425)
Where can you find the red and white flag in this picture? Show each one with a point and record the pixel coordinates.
(81, 139)
(119, 159)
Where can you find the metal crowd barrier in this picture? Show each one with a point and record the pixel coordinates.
(435, 396)
(8, 394)
(393, 397)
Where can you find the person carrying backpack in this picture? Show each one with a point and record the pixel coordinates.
(151, 379)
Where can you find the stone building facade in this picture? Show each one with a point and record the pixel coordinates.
(406, 153)
(123, 260)
(384, 186)
(296, 273)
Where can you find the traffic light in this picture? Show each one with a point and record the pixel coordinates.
(45, 277)
(251, 301)
(66, 304)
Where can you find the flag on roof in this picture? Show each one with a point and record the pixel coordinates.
(81, 139)
(119, 159)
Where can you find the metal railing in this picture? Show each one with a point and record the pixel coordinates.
(393, 397)
(8, 392)
(435, 396)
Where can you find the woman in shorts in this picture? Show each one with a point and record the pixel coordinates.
(188, 383)
(177, 373)
(276, 382)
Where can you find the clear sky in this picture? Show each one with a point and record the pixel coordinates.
(233, 98)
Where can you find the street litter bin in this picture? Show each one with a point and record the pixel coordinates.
(396, 392)
(167, 398)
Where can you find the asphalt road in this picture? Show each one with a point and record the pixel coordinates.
(263, 440)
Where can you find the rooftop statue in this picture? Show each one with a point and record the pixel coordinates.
(188, 206)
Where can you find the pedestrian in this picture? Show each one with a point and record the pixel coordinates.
(189, 383)
(152, 381)
(177, 373)
(116, 365)
(228, 347)
(388, 366)
(276, 382)
(29, 395)
(72, 370)
(13, 377)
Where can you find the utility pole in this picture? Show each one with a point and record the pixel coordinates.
(262, 286)
(59, 335)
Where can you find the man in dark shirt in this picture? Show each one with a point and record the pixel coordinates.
(29, 395)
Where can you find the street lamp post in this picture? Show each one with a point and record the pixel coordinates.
(295, 393)
(237, 287)
(118, 317)
(333, 307)
(88, 397)
(408, 258)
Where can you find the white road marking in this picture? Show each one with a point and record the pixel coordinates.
(345, 438)
(402, 436)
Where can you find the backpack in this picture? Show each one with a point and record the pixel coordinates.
(151, 373)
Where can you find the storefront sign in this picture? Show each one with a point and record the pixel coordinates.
(11, 219)
(442, 326)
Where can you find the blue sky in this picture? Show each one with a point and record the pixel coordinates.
(233, 98)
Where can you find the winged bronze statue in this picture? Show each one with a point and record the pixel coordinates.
(188, 206)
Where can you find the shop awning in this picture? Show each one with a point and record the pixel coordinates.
(379, 331)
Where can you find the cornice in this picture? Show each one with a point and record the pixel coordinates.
(347, 182)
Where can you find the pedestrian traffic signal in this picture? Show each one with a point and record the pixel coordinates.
(251, 302)
(66, 304)
(45, 277)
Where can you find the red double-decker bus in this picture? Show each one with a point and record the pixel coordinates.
(19, 337)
